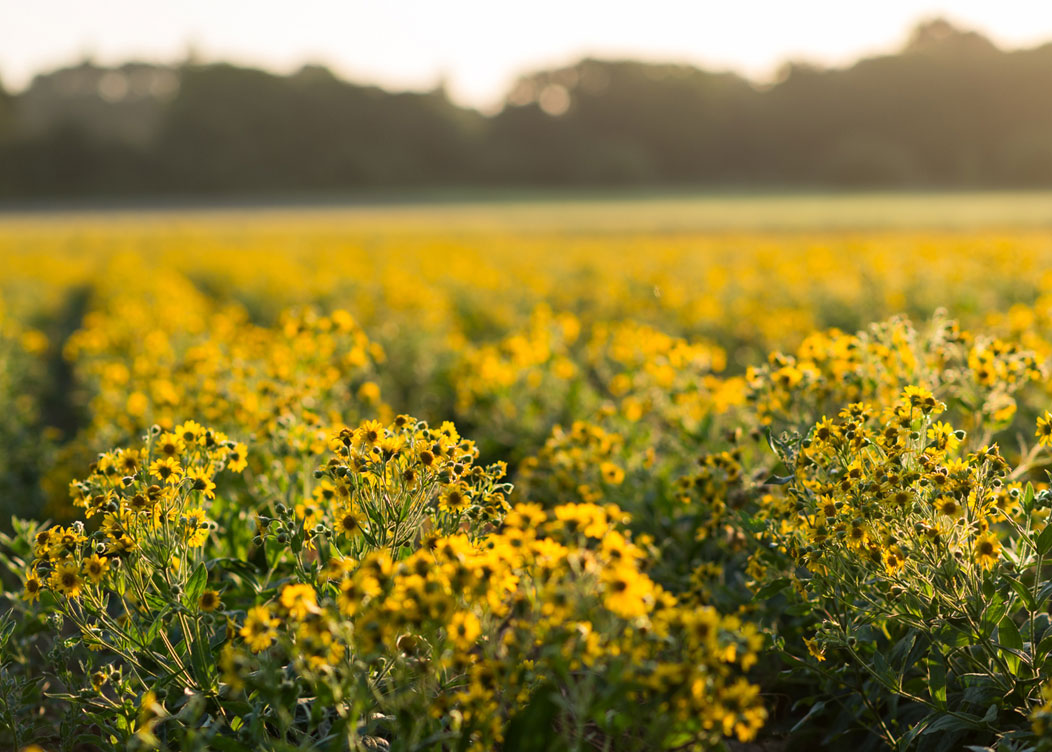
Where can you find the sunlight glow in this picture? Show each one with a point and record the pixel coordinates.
(478, 48)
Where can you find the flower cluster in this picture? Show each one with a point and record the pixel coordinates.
(460, 635)
(147, 364)
(919, 555)
(832, 369)
(151, 506)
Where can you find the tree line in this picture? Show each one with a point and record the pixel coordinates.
(949, 109)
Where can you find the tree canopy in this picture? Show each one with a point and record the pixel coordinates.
(949, 109)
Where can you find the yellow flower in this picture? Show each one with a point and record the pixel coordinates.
(32, 589)
(744, 711)
(611, 473)
(464, 629)
(230, 662)
(259, 629)
(167, 470)
(369, 433)
(237, 459)
(128, 461)
(949, 506)
(209, 600)
(66, 579)
(170, 445)
(943, 437)
(348, 523)
(202, 481)
(454, 499)
(824, 430)
(189, 432)
(350, 596)
(299, 600)
(1044, 430)
(817, 652)
(150, 710)
(894, 559)
(197, 527)
(369, 392)
(626, 591)
(338, 566)
(96, 567)
(987, 550)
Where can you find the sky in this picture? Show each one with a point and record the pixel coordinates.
(479, 47)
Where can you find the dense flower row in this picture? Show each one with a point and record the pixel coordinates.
(399, 585)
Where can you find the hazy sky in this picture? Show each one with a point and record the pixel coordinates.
(479, 46)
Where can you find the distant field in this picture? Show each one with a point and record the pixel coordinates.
(620, 212)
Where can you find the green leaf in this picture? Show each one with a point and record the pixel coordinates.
(995, 611)
(1023, 592)
(156, 602)
(1043, 648)
(881, 667)
(530, 729)
(1044, 541)
(959, 722)
(1028, 498)
(955, 635)
(773, 587)
(767, 434)
(196, 585)
(917, 729)
(227, 744)
(155, 629)
(1009, 639)
(903, 648)
(937, 680)
(815, 709)
(1008, 634)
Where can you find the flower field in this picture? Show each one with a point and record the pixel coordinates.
(292, 482)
